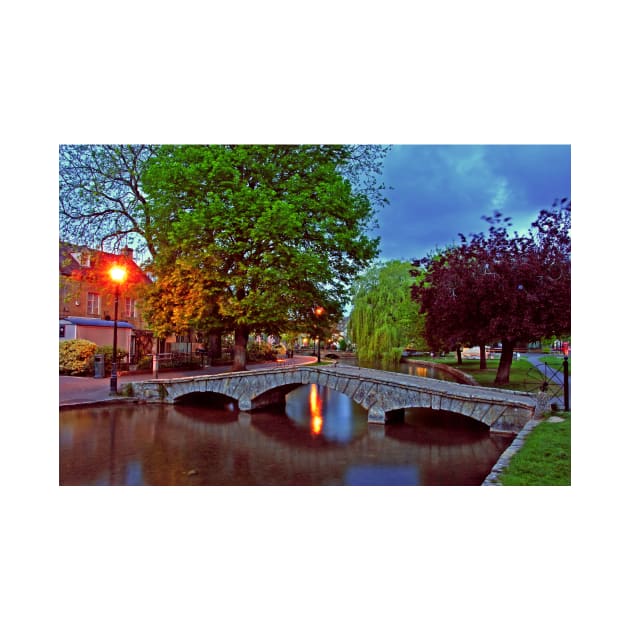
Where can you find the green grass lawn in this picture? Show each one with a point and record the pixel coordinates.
(545, 458)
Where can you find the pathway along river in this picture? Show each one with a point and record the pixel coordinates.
(320, 438)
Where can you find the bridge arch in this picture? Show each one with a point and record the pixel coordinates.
(210, 399)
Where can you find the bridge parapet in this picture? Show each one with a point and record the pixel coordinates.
(383, 394)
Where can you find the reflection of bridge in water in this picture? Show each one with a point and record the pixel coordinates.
(385, 395)
(409, 459)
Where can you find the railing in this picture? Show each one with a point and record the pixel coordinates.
(165, 360)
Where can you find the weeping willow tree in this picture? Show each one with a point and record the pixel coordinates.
(384, 319)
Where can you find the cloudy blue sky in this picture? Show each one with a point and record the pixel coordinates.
(439, 191)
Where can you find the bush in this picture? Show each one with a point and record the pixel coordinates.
(260, 352)
(76, 357)
(108, 351)
(146, 362)
(127, 389)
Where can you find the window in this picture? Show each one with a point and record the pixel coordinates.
(130, 307)
(93, 304)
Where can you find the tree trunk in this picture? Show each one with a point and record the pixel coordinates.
(241, 335)
(214, 347)
(458, 349)
(482, 356)
(503, 373)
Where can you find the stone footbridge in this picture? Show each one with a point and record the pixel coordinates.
(385, 395)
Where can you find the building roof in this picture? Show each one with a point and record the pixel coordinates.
(97, 263)
(93, 321)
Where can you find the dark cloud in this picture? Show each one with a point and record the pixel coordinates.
(440, 191)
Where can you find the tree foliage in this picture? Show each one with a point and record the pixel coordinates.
(384, 318)
(501, 286)
(254, 237)
(101, 201)
(313, 200)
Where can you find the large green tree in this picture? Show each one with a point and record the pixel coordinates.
(384, 318)
(255, 237)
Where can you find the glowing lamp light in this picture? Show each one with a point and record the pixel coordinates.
(315, 403)
(117, 274)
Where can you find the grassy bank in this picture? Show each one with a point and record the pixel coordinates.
(545, 459)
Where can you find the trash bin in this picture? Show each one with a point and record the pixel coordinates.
(99, 366)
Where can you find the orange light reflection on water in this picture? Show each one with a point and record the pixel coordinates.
(316, 410)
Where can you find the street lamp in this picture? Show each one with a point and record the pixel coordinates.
(565, 370)
(118, 275)
(318, 312)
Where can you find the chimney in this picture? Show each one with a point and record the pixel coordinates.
(127, 252)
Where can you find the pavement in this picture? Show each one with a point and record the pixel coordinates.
(82, 390)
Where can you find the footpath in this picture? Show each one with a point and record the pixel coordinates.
(555, 375)
(86, 390)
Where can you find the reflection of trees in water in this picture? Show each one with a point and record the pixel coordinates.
(451, 449)
(215, 409)
(424, 426)
(408, 367)
(101, 444)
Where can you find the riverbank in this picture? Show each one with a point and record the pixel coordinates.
(540, 455)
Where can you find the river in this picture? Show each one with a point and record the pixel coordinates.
(321, 437)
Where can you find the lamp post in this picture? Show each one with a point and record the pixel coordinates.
(565, 369)
(318, 312)
(118, 275)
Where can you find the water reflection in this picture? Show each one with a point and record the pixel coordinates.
(366, 475)
(315, 402)
(329, 414)
(411, 368)
(426, 372)
(322, 439)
